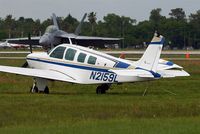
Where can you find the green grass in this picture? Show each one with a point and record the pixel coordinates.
(171, 106)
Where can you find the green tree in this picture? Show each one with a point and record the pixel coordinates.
(113, 25)
(45, 24)
(92, 19)
(194, 32)
(9, 25)
(178, 14)
(156, 18)
(69, 23)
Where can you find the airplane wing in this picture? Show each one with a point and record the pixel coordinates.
(97, 38)
(47, 74)
(34, 40)
(91, 41)
(68, 35)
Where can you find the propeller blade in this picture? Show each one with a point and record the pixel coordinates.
(29, 40)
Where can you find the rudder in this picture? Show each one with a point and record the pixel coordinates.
(149, 60)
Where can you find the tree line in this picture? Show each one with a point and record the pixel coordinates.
(180, 31)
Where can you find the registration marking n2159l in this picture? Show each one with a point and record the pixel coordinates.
(103, 76)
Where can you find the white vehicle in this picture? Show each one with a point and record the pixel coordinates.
(77, 64)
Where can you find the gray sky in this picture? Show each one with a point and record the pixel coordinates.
(136, 9)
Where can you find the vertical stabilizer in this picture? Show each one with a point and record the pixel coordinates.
(151, 56)
(78, 29)
(54, 18)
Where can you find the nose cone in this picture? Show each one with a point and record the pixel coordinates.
(44, 40)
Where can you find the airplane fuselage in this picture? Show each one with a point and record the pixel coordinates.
(93, 67)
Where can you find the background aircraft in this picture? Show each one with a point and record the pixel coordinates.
(81, 65)
(54, 36)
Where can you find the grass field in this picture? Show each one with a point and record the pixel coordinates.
(171, 106)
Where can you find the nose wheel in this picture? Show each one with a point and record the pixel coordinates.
(34, 88)
(101, 89)
(46, 90)
(39, 86)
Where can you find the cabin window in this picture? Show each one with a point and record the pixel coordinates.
(70, 54)
(81, 57)
(58, 52)
(92, 60)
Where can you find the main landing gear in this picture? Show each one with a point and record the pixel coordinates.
(39, 86)
(101, 89)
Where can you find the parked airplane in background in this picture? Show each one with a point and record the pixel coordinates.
(76, 64)
(4, 45)
(17, 46)
(10, 45)
(54, 36)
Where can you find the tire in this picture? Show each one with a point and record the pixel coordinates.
(105, 86)
(46, 90)
(100, 90)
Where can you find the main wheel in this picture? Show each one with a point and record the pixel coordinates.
(46, 90)
(105, 86)
(100, 90)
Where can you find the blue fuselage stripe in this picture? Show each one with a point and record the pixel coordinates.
(70, 65)
(155, 74)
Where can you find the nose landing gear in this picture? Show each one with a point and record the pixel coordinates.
(39, 86)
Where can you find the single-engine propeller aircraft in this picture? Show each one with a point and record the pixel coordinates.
(77, 64)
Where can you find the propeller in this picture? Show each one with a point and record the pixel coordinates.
(31, 50)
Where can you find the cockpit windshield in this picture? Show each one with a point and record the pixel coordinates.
(51, 29)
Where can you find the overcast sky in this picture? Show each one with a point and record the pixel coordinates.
(136, 9)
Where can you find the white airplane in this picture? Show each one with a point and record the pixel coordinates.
(81, 65)
(11, 45)
(4, 45)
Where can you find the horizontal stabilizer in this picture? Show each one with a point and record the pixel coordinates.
(150, 74)
(133, 73)
(172, 73)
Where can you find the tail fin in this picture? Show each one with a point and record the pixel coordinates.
(151, 56)
(55, 23)
(78, 29)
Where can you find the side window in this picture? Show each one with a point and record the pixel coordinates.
(92, 60)
(70, 54)
(58, 52)
(81, 57)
